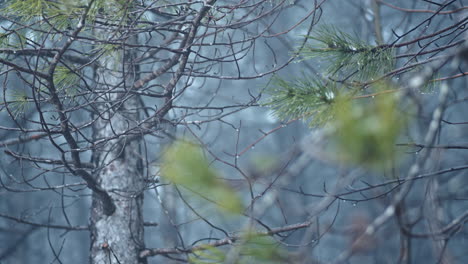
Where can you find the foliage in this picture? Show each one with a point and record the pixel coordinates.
(18, 103)
(349, 55)
(366, 130)
(264, 164)
(260, 249)
(251, 248)
(108, 82)
(59, 14)
(65, 79)
(13, 40)
(185, 165)
(301, 98)
(4, 39)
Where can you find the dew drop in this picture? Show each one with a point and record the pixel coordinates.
(354, 204)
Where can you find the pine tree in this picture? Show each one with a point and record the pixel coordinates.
(94, 79)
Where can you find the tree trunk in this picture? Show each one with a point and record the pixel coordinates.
(117, 238)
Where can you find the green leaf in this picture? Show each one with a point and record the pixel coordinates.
(250, 247)
(185, 165)
(264, 163)
(207, 255)
(261, 249)
(366, 130)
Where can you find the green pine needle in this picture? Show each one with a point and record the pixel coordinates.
(66, 80)
(302, 98)
(18, 103)
(348, 55)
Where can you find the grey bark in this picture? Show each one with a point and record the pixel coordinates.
(118, 237)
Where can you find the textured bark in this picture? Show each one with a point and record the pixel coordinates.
(117, 238)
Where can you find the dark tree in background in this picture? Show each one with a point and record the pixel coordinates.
(178, 124)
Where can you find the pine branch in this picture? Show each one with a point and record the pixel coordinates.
(302, 98)
(349, 56)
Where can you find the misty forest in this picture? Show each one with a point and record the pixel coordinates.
(233, 131)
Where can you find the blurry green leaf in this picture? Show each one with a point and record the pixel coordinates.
(264, 163)
(207, 255)
(185, 165)
(250, 248)
(261, 249)
(366, 130)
